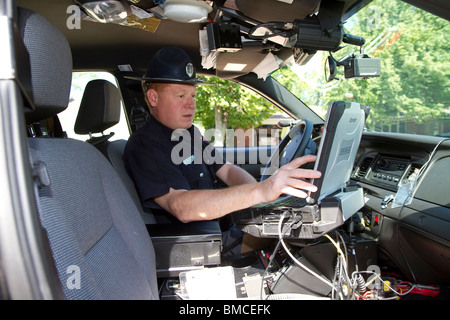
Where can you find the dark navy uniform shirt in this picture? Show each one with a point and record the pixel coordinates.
(158, 158)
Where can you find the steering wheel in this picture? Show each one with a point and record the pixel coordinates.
(296, 143)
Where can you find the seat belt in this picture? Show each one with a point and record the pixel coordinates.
(139, 114)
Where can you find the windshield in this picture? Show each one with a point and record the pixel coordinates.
(412, 93)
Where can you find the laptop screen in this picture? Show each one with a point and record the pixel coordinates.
(338, 146)
(336, 154)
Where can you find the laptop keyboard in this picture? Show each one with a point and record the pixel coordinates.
(284, 201)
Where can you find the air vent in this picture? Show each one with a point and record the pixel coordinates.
(364, 167)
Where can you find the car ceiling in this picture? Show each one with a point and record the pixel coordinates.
(104, 46)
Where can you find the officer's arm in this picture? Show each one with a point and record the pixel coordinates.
(195, 205)
(212, 204)
(233, 175)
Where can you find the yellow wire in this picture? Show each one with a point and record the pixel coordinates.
(337, 247)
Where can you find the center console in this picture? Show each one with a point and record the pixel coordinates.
(181, 247)
(270, 271)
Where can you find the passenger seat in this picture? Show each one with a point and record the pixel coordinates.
(99, 242)
(99, 111)
(179, 247)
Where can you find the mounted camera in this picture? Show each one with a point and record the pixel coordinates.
(309, 35)
(355, 66)
(362, 66)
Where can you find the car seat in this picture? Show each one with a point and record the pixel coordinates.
(177, 245)
(99, 111)
(99, 242)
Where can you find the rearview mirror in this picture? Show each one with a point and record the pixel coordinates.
(330, 69)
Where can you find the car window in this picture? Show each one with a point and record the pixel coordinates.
(229, 114)
(412, 93)
(68, 116)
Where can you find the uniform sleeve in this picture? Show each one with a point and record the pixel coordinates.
(153, 172)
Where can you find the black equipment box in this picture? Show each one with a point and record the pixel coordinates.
(223, 37)
(183, 247)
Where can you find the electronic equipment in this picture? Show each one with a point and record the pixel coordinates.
(223, 37)
(334, 202)
(362, 66)
(309, 35)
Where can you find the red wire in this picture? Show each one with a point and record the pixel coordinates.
(429, 291)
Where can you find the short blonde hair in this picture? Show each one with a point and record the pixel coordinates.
(146, 85)
(157, 86)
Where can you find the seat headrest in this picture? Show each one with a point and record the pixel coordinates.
(99, 108)
(50, 62)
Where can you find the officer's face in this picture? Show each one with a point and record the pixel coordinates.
(173, 104)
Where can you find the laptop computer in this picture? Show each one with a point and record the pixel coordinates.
(312, 217)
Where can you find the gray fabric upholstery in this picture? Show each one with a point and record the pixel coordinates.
(51, 65)
(99, 108)
(114, 152)
(93, 224)
(100, 245)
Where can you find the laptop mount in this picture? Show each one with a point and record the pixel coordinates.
(308, 222)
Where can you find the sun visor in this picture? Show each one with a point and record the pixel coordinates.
(255, 59)
(279, 10)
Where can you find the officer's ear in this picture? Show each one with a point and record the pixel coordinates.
(152, 97)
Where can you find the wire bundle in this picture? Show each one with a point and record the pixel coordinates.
(355, 287)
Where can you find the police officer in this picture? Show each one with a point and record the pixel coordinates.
(180, 182)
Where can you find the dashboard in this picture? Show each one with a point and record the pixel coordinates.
(415, 237)
(386, 160)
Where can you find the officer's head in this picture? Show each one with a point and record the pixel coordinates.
(169, 85)
(170, 65)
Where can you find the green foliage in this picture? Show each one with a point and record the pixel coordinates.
(415, 59)
(415, 62)
(238, 107)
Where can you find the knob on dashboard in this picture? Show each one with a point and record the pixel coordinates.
(383, 163)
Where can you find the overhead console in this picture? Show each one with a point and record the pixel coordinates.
(244, 37)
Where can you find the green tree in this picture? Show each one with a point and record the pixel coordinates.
(414, 51)
(227, 105)
(415, 60)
